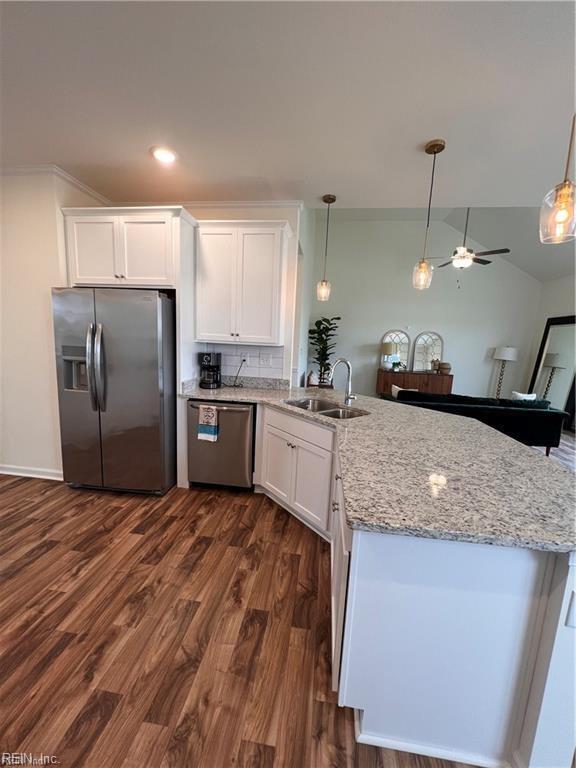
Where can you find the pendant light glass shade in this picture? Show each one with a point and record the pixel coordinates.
(422, 275)
(558, 215)
(323, 290)
(323, 286)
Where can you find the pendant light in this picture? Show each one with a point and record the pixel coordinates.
(557, 213)
(323, 286)
(422, 272)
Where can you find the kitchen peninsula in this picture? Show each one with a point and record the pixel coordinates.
(453, 578)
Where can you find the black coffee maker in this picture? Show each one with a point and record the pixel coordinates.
(210, 364)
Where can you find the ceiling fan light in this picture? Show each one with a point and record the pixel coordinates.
(422, 275)
(462, 258)
(323, 289)
(558, 214)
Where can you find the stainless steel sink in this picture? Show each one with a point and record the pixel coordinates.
(344, 413)
(313, 404)
(327, 408)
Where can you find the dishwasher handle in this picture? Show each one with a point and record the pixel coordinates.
(233, 408)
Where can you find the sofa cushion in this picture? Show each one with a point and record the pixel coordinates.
(427, 397)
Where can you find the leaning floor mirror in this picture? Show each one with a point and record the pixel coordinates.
(553, 377)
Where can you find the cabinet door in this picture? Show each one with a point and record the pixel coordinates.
(278, 455)
(259, 289)
(146, 252)
(216, 285)
(311, 482)
(92, 247)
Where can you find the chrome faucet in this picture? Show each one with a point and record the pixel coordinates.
(348, 397)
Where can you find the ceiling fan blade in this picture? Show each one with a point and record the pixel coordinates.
(481, 261)
(493, 253)
(446, 264)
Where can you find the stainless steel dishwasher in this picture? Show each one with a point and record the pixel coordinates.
(229, 460)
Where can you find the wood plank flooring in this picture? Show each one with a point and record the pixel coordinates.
(187, 631)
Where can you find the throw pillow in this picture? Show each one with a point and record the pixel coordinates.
(396, 389)
(523, 396)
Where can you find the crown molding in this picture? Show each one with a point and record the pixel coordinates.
(52, 168)
(299, 204)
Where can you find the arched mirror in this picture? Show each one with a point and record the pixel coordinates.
(395, 349)
(427, 347)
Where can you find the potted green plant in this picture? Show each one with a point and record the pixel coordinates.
(321, 338)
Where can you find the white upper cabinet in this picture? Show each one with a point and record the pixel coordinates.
(240, 282)
(123, 246)
(146, 252)
(92, 249)
(216, 284)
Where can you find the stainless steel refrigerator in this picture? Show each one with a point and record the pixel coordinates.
(116, 387)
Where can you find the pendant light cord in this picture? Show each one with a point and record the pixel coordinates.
(429, 207)
(570, 149)
(326, 242)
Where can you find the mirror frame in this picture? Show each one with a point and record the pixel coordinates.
(550, 323)
(425, 333)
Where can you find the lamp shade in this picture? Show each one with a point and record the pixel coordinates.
(553, 360)
(550, 359)
(505, 353)
(389, 348)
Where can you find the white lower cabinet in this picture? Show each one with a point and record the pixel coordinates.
(297, 471)
(278, 459)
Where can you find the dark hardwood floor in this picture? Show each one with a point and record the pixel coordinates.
(186, 631)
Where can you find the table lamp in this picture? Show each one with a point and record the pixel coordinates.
(388, 348)
(552, 361)
(505, 355)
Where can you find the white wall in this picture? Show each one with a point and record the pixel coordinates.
(307, 241)
(32, 262)
(281, 358)
(370, 266)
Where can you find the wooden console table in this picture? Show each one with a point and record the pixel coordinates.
(423, 381)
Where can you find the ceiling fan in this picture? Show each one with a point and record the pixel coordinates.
(463, 257)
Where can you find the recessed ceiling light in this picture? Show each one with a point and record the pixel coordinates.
(163, 155)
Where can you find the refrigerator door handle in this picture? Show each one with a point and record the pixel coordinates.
(90, 366)
(98, 368)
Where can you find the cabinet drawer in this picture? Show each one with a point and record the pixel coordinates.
(320, 436)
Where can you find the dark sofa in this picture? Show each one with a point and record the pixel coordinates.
(532, 422)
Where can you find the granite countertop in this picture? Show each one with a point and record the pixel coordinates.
(418, 472)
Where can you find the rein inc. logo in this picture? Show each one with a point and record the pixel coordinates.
(27, 758)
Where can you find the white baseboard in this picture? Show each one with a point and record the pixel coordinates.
(428, 750)
(43, 474)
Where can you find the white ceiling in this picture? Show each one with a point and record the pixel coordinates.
(291, 100)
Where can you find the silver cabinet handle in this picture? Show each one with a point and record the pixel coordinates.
(90, 366)
(98, 368)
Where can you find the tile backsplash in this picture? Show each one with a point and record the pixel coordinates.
(261, 362)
